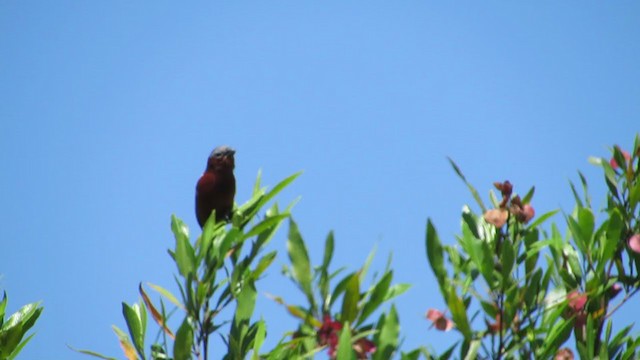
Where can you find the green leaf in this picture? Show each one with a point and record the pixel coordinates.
(542, 218)
(167, 294)
(526, 199)
(134, 323)
(377, 297)
(615, 226)
(345, 351)
(92, 353)
(473, 350)
(261, 333)
(341, 287)
(473, 191)
(576, 196)
(328, 250)
(396, 290)
(300, 261)
(10, 337)
(259, 198)
(184, 341)
(125, 344)
(471, 221)
(587, 224)
(573, 261)
(264, 263)
(323, 283)
(559, 333)
(3, 306)
(351, 299)
(265, 236)
(507, 259)
(184, 254)
(279, 187)
(14, 329)
(386, 338)
(266, 224)
(578, 236)
(157, 316)
(18, 348)
(435, 254)
(459, 314)
(365, 268)
(246, 301)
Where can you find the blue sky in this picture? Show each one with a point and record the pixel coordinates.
(108, 111)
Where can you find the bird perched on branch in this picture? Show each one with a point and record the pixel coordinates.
(217, 186)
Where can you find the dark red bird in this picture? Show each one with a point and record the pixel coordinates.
(217, 186)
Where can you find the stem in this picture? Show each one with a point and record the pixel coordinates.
(205, 329)
(625, 299)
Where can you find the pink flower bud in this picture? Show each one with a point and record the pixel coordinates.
(634, 243)
(439, 320)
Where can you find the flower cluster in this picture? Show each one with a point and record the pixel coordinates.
(328, 335)
(509, 205)
(439, 320)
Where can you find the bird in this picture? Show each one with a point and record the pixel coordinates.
(216, 188)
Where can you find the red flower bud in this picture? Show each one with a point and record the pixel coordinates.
(614, 163)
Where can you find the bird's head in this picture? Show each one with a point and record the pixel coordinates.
(221, 158)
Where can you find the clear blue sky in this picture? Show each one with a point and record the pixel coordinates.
(108, 111)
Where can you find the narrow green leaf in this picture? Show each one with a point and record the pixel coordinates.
(134, 324)
(387, 335)
(577, 234)
(367, 263)
(585, 189)
(473, 191)
(3, 307)
(615, 226)
(184, 341)
(396, 290)
(300, 261)
(526, 199)
(576, 196)
(542, 218)
(279, 187)
(10, 337)
(323, 282)
(125, 343)
(261, 333)
(378, 295)
(558, 334)
(328, 250)
(350, 300)
(92, 353)
(265, 225)
(184, 253)
(459, 314)
(167, 294)
(157, 316)
(472, 353)
(256, 186)
(507, 259)
(246, 301)
(587, 224)
(345, 351)
(264, 263)
(18, 348)
(435, 254)
(340, 288)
